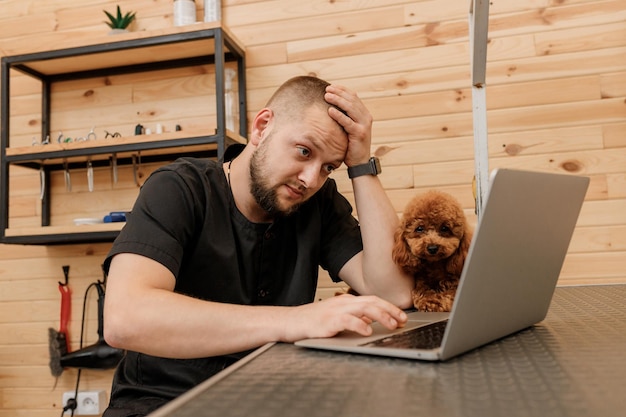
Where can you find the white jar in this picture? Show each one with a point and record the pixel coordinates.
(230, 101)
(212, 10)
(184, 12)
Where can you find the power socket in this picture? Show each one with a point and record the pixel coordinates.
(89, 403)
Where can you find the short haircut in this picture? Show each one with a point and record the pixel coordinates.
(297, 95)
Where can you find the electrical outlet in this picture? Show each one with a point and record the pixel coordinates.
(89, 403)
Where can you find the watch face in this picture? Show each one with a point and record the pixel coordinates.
(376, 165)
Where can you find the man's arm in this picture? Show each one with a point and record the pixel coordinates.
(143, 314)
(373, 270)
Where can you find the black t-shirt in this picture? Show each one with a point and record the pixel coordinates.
(185, 218)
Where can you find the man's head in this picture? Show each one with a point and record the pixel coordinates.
(293, 97)
(297, 146)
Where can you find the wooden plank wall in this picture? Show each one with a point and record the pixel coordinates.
(556, 96)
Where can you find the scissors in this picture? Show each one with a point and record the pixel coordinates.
(61, 138)
(90, 136)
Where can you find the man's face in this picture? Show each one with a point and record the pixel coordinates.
(294, 159)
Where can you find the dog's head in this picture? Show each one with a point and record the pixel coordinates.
(433, 228)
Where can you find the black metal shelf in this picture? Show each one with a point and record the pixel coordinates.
(62, 238)
(39, 155)
(185, 47)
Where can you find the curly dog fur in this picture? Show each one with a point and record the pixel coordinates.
(431, 243)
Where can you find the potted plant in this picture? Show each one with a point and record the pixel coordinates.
(119, 22)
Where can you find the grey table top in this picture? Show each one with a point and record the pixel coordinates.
(571, 364)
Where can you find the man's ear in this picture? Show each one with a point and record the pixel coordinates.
(260, 123)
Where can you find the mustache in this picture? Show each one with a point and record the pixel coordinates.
(299, 186)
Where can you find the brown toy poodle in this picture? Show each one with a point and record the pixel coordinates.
(431, 243)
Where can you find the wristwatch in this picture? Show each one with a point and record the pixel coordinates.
(372, 167)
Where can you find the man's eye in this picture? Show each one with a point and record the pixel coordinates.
(329, 169)
(304, 151)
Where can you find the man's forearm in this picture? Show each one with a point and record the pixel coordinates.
(378, 221)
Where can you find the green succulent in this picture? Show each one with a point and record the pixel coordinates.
(119, 21)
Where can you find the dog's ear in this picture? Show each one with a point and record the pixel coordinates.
(400, 253)
(456, 261)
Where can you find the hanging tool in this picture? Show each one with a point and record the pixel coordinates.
(42, 181)
(68, 179)
(92, 135)
(99, 355)
(136, 166)
(114, 169)
(59, 341)
(89, 175)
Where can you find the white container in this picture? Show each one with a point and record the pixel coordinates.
(184, 12)
(212, 10)
(230, 101)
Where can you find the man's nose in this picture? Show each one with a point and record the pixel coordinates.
(310, 176)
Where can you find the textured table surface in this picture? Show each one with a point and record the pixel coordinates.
(571, 364)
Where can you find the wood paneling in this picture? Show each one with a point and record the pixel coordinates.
(556, 94)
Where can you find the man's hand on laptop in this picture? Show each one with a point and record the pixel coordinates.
(345, 312)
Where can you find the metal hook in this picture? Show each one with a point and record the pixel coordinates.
(66, 272)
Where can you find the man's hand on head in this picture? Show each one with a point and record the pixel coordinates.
(355, 119)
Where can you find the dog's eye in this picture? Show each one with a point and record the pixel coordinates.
(444, 229)
(419, 229)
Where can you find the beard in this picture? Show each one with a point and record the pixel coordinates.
(264, 194)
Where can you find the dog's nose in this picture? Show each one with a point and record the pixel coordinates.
(432, 249)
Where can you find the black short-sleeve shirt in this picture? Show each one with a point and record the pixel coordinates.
(185, 218)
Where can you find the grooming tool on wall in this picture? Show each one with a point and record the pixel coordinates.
(67, 177)
(91, 135)
(134, 158)
(42, 181)
(113, 169)
(136, 167)
(43, 141)
(89, 175)
(62, 139)
(59, 341)
(99, 355)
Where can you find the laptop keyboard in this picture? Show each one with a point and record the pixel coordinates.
(426, 337)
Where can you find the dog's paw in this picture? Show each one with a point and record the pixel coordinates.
(432, 306)
(431, 303)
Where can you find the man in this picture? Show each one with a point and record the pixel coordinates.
(219, 258)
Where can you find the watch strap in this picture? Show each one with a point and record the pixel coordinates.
(371, 167)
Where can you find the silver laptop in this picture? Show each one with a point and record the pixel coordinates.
(508, 278)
